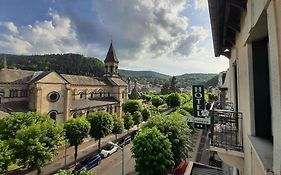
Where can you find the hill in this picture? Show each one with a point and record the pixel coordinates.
(62, 63)
(77, 64)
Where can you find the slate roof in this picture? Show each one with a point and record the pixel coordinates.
(14, 106)
(111, 55)
(115, 81)
(98, 102)
(15, 76)
(82, 80)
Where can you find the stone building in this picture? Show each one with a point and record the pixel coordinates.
(248, 33)
(63, 96)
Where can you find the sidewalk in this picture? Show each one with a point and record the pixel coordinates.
(85, 149)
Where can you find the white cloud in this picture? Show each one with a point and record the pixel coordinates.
(49, 36)
(201, 4)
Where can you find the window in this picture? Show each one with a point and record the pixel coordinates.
(74, 115)
(92, 95)
(111, 69)
(115, 109)
(81, 95)
(100, 94)
(53, 115)
(123, 94)
(108, 94)
(53, 96)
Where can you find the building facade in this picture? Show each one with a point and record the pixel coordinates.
(248, 33)
(63, 96)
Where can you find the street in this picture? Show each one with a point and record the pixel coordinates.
(113, 164)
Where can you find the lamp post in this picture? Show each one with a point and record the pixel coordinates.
(122, 149)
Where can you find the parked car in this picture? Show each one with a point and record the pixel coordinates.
(134, 133)
(124, 141)
(88, 163)
(108, 150)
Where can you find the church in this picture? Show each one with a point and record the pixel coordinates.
(63, 96)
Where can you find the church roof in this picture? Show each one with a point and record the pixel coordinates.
(116, 81)
(83, 80)
(111, 55)
(15, 76)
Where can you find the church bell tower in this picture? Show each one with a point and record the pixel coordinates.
(111, 63)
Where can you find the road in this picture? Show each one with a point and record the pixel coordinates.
(113, 164)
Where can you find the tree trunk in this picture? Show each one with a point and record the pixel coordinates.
(75, 153)
(99, 144)
(39, 171)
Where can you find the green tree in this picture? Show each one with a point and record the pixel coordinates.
(131, 106)
(75, 131)
(37, 144)
(165, 88)
(128, 121)
(152, 152)
(10, 125)
(5, 156)
(176, 130)
(101, 124)
(137, 117)
(118, 126)
(173, 85)
(174, 100)
(156, 101)
(145, 114)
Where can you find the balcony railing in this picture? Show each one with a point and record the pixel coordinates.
(226, 129)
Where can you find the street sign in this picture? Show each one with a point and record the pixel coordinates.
(197, 120)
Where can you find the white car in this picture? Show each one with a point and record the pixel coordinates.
(110, 149)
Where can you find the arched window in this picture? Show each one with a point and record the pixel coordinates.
(92, 94)
(81, 95)
(123, 94)
(108, 94)
(53, 115)
(74, 115)
(111, 69)
(100, 94)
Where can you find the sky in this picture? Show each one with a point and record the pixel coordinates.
(168, 36)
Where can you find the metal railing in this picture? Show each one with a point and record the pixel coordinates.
(226, 128)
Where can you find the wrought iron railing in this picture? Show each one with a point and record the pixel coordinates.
(226, 129)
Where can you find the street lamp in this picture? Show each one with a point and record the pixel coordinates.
(122, 149)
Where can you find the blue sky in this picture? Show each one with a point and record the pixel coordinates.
(171, 36)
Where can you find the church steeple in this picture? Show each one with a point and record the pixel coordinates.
(111, 62)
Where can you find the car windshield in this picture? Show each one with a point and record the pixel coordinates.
(108, 148)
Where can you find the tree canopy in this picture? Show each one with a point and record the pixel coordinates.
(152, 152)
(75, 131)
(145, 114)
(176, 130)
(128, 121)
(131, 106)
(5, 156)
(10, 125)
(101, 124)
(157, 101)
(36, 144)
(173, 100)
(118, 125)
(137, 117)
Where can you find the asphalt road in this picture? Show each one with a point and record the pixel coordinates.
(112, 165)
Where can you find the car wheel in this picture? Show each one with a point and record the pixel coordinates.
(99, 162)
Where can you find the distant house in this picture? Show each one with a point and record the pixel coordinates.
(63, 96)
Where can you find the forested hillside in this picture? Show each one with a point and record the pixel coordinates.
(63, 63)
(80, 65)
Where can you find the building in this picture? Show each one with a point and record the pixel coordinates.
(248, 33)
(63, 96)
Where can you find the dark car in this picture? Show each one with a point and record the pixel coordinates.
(88, 163)
(124, 141)
(134, 133)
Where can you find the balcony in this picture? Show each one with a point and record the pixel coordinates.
(226, 134)
(226, 129)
